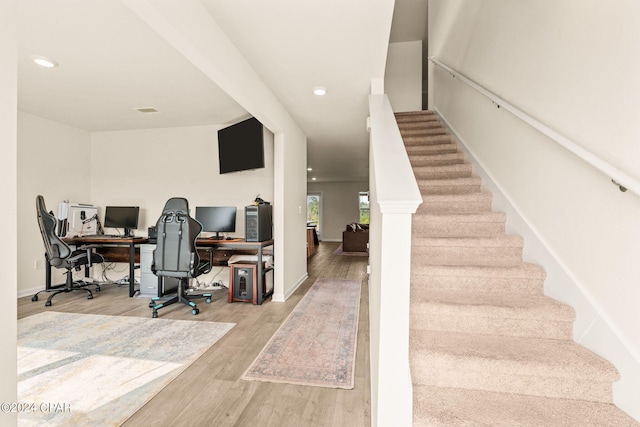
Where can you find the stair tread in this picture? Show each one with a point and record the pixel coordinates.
(443, 406)
(492, 216)
(509, 355)
(524, 269)
(442, 198)
(437, 156)
(503, 240)
(453, 167)
(512, 306)
(450, 181)
(416, 148)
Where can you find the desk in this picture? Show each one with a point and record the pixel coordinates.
(241, 244)
(102, 241)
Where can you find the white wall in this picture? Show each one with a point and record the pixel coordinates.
(403, 76)
(572, 65)
(146, 167)
(9, 215)
(54, 161)
(339, 206)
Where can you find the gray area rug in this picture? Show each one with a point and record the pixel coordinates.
(85, 369)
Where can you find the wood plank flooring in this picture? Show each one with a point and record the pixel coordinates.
(210, 391)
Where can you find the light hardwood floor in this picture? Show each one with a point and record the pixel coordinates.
(210, 391)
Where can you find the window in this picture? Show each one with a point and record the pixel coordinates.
(313, 210)
(363, 203)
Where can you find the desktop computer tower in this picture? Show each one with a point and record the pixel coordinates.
(258, 223)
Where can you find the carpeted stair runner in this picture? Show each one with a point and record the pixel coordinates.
(486, 346)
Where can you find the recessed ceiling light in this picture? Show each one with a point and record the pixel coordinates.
(319, 91)
(44, 61)
(309, 169)
(313, 179)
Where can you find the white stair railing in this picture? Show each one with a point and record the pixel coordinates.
(394, 196)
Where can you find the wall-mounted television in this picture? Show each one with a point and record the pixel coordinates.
(241, 146)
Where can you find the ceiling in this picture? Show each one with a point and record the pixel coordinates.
(111, 64)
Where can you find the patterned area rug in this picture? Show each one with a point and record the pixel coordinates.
(339, 251)
(93, 370)
(316, 345)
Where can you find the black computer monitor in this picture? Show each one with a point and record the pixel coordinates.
(217, 219)
(125, 217)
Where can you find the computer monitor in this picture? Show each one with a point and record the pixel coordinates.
(125, 217)
(217, 219)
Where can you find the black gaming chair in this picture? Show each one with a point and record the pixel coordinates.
(176, 254)
(59, 255)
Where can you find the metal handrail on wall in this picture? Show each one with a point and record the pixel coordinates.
(621, 179)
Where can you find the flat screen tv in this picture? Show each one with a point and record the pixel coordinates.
(241, 146)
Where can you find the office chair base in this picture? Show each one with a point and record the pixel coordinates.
(65, 290)
(69, 286)
(156, 304)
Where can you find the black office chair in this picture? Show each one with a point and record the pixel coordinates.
(176, 255)
(59, 255)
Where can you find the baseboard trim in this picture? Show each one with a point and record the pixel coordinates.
(591, 327)
(282, 297)
(26, 292)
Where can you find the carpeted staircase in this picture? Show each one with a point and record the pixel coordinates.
(486, 346)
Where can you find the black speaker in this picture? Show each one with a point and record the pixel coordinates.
(258, 223)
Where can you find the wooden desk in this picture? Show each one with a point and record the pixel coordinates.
(241, 244)
(107, 241)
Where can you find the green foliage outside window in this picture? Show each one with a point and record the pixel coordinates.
(313, 210)
(364, 207)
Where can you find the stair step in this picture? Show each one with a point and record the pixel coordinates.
(423, 131)
(431, 122)
(530, 366)
(418, 140)
(523, 279)
(456, 407)
(463, 170)
(501, 250)
(428, 150)
(455, 203)
(413, 116)
(450, 186)
(494, 314)
(436, 159)
(459, 225)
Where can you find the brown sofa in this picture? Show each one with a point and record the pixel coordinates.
(355, 238)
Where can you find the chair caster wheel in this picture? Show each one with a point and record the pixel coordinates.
(97, 288)
(47, 304)
(208, 300)
(34, 298)
(89, 296)
(154, 315)
(195, 311)
(151, 304)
